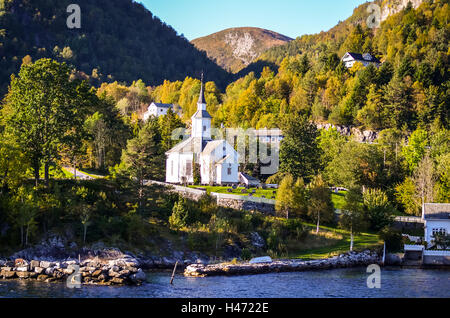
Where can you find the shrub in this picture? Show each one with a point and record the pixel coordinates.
(393, 239)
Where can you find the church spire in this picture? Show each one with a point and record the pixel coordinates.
(201, 98)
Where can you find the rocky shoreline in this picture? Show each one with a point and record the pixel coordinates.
(88, 272)
(351, 259)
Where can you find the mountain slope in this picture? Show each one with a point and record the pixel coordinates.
(236, 48)
(118, 40)
(336, 37)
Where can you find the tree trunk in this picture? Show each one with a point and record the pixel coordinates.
(351, 241)
(36, 172)
(21, 235)
(318, 221)
(26, 234)
(46, 173)
(84, 233)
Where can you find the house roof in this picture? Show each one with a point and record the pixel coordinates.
(248, 177)
(268, 132)
(436, 211)
(190, 145)
(363, 57)
(223, 160)
(161, 105)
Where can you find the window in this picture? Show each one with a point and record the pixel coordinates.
(229, 171)
(188, 168)
(439, 231)
(204, 128)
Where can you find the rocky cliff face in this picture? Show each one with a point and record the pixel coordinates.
(367, 136)
(234, 49)
(390, 7)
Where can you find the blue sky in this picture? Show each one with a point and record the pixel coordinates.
(196, 18)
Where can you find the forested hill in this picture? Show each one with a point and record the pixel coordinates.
(118, 40)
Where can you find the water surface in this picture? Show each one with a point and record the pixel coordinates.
(338, 283)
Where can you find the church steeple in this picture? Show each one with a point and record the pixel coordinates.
(201, 120)
(201, 98)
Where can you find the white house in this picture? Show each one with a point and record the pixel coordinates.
(365, 59)
(437, 220)
(218, 160)
(269, 136)
(157, 110)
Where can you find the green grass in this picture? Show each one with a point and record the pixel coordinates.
(338, 200)
(268, 193)
(340, 240)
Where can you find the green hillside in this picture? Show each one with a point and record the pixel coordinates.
(118, 40)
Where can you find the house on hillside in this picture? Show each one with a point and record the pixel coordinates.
(157, 110)
(218, 160)
(436, 218)
(365, 59)
(269, 136)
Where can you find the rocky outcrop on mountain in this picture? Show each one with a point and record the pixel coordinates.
(391, 7)
(367, 136)
(235, 48)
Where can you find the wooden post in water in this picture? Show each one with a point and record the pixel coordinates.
(173, 274)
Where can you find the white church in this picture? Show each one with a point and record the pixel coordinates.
(218, 160)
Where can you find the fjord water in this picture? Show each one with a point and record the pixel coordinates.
(339, 283)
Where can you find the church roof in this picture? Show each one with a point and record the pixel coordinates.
(190, 145)
(202, 114)
(211, 146)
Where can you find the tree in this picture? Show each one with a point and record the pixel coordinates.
(179, 215)
(405, 194)
(23, 212)
(320, 205)
(299, 152)
(42, 109)
(424, 180)
(144, 159)
(82, 207)
(378, 209)
(415, 150)
(285, 196)
(352, 218)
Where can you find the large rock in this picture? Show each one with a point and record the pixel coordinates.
(257, 241)
(261, 260)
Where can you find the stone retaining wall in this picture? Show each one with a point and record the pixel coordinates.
(232, 201)
(351, 259)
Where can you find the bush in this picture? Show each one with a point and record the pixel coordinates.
(393, 239)
(246, 254)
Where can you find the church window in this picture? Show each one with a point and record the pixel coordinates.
(229, 171)
(204, 128)
(188, 168)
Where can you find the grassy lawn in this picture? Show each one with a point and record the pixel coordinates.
(332, 242)
(338, 199)
(238, 191)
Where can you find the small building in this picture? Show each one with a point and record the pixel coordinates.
(365, 59)
(436, 218)
(157, 110)
(248, 181)
(269, 136)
